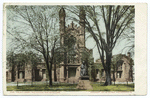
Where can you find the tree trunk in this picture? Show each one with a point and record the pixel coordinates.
(49, 68)
(108, 78)
(131, 74)
(13, 75)
(114, 79)
(32, 76)
(55, 75)
(108, 69)
(50, 79)
(65, 62)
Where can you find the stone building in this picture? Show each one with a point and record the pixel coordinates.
(26, 73)
(74, 35)
(124, 70)
(72, 39)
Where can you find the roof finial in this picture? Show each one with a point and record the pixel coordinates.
(72, 24)
(62, 12)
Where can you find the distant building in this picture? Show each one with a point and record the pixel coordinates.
(26, 73)
(124, 70)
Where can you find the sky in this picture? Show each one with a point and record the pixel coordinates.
(90, 43)
(117, 49)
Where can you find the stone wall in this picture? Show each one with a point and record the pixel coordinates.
(122, 75)
(8, 76)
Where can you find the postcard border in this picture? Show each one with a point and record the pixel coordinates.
(140, 54)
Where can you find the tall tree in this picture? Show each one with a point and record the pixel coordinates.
(17, 60)
(113, 21)
(116, 60)
(129, 47)
(35, 28)
(33, 59)
(11, 63)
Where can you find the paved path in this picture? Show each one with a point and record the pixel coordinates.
(26, 83)
(46, 82)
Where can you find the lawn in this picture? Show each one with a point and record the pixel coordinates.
(117, 87)
(71, 87)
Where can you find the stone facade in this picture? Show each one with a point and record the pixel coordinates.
(124, 73)
(74, 35)
(69, 70)
(70, 67)
(26, 73)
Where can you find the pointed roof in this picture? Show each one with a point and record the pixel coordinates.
(62, 12)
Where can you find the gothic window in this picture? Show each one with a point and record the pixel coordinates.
(71, 42)
(119, 74)
(44, 73)
(21, 75)
(120, 66)
(97, 71)
(102, 73)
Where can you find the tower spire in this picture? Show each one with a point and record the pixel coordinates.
(82, 26)
(62, 12)
(82, 16)
(62, 16)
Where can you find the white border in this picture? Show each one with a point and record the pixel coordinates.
(140, 58)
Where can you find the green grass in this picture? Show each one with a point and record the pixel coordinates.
(117, 87)
(71, 87)
(44, 87)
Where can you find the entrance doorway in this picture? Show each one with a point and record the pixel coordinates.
(72, 72)
(37, 77)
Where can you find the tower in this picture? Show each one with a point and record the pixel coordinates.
(72, 42)
(82, 27)
(62, 16)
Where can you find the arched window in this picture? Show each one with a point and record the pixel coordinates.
(71, 42)
(71, 46)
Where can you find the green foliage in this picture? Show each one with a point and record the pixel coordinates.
(10, 59)
(116, 60)
(71, 87)
(87, 56)
(93, 73)
(70, 41)
(20, 59)
(116, 20)
(33, 58)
